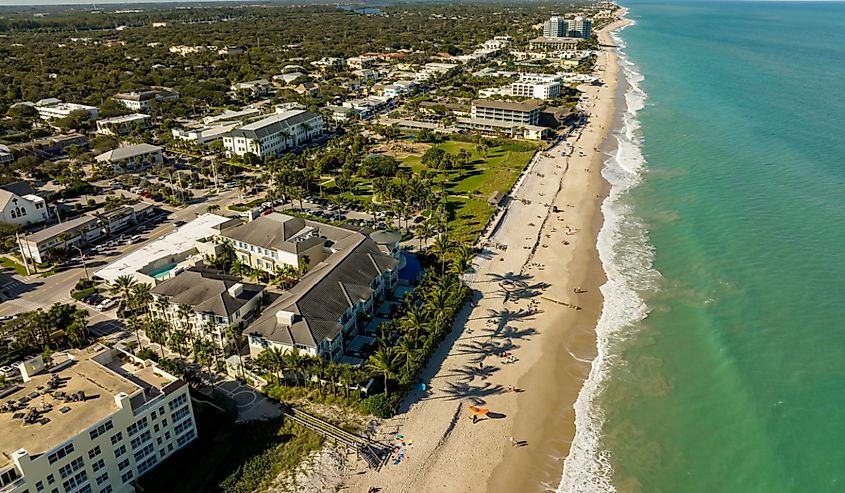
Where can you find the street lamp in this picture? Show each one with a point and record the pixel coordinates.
(82, 256)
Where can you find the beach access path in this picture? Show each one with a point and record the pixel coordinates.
(531, 326)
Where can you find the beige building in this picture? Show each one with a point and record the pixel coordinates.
(96, 420)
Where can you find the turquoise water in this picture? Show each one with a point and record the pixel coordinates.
(722, 358)
(162, 272)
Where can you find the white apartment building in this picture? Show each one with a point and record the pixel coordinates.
(121, 125)
(274, 134)
(51, 108)
(205, 134)
(144, 100)
(558, 27)
(96, 420)
(535, 89)
(526, 112)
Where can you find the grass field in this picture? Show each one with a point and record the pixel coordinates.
(470, 188)
(10, 264)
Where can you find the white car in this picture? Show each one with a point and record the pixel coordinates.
(106, 304)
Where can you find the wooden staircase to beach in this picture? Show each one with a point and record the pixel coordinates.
(373, 453)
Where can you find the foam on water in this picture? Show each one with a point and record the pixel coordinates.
(626, 257)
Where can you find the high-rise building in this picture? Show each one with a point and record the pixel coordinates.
(558, 27)
(579, 27)
(555, 27)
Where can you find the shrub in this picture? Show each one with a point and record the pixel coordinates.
(378, 405)
(79, 294)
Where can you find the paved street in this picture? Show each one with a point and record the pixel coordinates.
(31, 292)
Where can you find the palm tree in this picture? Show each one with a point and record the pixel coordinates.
(273, 360)
(461, 260)
(440, 248)
(383, 363)
(103, 223)
(294, 362)
(133, 324)
(177, 342)
(123, 286)
(156, 330)
(424, 231)
(406, 348)
(184, 312)
(235, 334)
(413, 322)
(212, 208)
(142, 297)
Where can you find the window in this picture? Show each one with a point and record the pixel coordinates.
(100, 430)
(147, 450)
(39, 485)
(158, 440)
(60, 453)
(164, 422)
(187, 437)
(106, 489)
(170, 447)
(156, 428)
(167, 435)
(98, 465)
(51, 479)
(161, 453)
(94, 452)
(116, 437)
(75, 481)
(140, 439)
(137, 426)
(188, 423)
(68, 469)
(123, 464)
(102, 478)
(177, 402)
(127, 476)
(144, 466)
(178, 415)
(119, 451)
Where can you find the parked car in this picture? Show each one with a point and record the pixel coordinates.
(106, 304)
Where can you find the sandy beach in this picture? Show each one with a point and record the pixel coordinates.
(537, 300)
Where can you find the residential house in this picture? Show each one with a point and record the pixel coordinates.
(277, 240)
(258, 87)
(145, 99)
(217, 301)
(325, 311)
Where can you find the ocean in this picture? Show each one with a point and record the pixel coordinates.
(721, 361)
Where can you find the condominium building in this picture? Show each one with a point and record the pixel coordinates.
(553, 44)
(526, 112)
(558, 27)
(82, 230)
(546, 89)
(122, 125)
(52, 108)
(276, 241)
(273, 135)
(555, 27)
(145, 99)
(92, 420)
(322, 314)
(216, 300)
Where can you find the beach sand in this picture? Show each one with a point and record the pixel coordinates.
(525, 283)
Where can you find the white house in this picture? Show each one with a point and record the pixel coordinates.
(120, 125)
(51, 108)
(144, 100)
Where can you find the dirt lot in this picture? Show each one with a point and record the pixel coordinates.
(401, 150)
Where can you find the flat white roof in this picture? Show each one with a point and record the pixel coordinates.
(181, 240)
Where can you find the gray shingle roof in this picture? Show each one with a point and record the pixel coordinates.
(325, 293)
(207, 291)
(273, 124)
(273, 231)
(128, 152)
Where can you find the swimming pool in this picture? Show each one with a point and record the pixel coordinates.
(412, 267)
(162, 272)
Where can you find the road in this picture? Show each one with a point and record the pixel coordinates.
(31, 292)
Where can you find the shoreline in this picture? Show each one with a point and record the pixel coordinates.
(524, 304)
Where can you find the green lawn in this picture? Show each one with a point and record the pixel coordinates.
(469, 189)
(8, 263)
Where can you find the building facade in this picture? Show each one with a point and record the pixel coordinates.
(144, 100)
(122, 125)
(275, 134)
(275, 241)
(217, 301)
(52, 108)
(103, 418)
(535, 89)
(526, 112)
(19, 205)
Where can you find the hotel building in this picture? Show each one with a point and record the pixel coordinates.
(94, 420)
